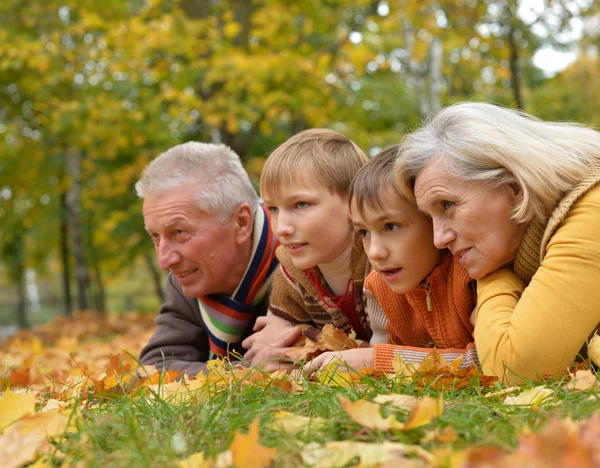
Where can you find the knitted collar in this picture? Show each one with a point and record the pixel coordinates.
(226, 318)
(533, 248)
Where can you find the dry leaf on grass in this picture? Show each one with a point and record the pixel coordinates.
(13, 406)
(329, 339)
(246, 451)
(582, 380)
(397, 400)
(533, 397)
(368, 414)
(335, 454)
(435, 372)
(293, 423)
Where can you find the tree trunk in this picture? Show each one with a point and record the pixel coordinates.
(64, 251)
(435, 74)
(19, 278)
(154, 273)
(74, 215)
(515, 79)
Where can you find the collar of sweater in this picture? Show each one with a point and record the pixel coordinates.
(358, 261)
(533, 248)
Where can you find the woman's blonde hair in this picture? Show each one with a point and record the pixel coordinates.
(322, 155)
(486, 143)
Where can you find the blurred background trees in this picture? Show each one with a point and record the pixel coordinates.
(91, 90)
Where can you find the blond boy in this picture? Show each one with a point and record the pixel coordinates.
(305, 185)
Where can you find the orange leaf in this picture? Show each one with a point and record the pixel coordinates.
(246, 451)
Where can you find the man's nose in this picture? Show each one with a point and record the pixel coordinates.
(443, 235)
(167, 255)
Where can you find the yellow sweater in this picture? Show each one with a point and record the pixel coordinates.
(539, 329)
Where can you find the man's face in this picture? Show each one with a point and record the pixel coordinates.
(200, 252)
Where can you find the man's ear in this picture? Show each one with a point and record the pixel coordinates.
(243, 222)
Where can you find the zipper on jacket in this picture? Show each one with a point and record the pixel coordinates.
(427, 296)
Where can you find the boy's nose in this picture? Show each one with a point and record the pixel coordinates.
(376, 250)
(442, 235)
(167, 256)
(282, 227)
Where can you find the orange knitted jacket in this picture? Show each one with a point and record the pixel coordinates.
(437, 313)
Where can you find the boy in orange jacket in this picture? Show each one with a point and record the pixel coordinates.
(417, 297)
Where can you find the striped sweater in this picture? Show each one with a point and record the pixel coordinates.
(296, 298)
(438, 313)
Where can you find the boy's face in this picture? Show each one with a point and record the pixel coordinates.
(398, 240)
(311, 222)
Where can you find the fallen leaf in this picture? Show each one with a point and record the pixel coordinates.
(446, 435)
(17, 449)
(246, 451)
(14, 406)
(406, 402)
(424, 411)
(50, 423)
(333, 376)
(368, 414)
(556, 445)
(293, 423)
(308, 351)
(534, 397)
(196, 460)
(334, 339)
(582, 380)
(589, 434)
(341, 453)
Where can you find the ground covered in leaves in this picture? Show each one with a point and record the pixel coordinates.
(72, 394)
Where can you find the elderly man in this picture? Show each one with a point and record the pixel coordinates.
(210, 232)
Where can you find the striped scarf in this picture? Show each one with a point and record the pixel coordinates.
(226, 318)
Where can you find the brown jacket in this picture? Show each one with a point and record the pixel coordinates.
(181, 335)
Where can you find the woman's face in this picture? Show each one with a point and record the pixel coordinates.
(471, 219)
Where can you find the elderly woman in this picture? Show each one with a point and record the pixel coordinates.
(517, 201)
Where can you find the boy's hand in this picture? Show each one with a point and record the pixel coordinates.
(352, 359)
(268, 330)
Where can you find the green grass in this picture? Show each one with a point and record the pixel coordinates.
(125, 431)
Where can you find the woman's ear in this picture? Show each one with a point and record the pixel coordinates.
(515, 192)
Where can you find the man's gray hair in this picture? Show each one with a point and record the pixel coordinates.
(215, 169)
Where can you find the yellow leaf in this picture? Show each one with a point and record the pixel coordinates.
(424, 411)
(368, 414)
(370, 454)
(196, 460)
(594, 348)
(406, 402)
(14, 406)
(246, 451)
(50, 423)
(293, 423)
(332, 375)
(16, 449)
(403, 371)
(532, 397)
